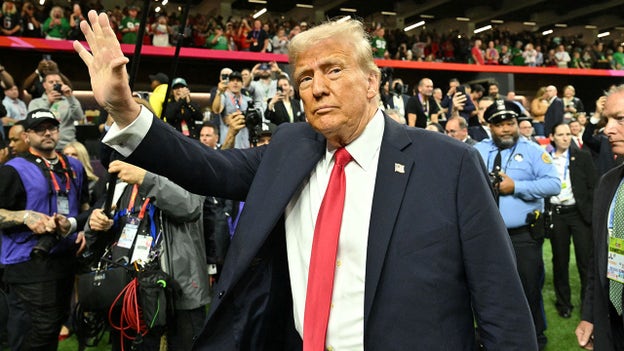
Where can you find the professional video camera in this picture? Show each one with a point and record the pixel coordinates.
(253, 122)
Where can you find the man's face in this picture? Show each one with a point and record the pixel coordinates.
(493, 90)
(17, 140)
(425, 88)
(562, 137)
(550, 92)
(505, 134)
(208, 137)
(257, 24)
(575, 128)
(526, 129)
(454, 131)
(337, 93)
(50, 80)
(614, 111)
(235, 85)
(43, 137)
(12, 92)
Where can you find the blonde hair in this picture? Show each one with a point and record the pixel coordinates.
(350, 32)
(83, 157)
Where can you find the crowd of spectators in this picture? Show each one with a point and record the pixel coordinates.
(497, 46)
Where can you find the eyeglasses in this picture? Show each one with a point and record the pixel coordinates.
(41, 130)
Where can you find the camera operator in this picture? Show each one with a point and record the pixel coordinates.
(43, 196)
(282, 107)
(231, 105)
(60, 100)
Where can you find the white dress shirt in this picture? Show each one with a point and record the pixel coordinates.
(346, 319)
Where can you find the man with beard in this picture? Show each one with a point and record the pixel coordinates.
(523, 175)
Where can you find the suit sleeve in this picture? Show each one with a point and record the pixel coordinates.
(175, 202)
(192, 165)
(502, 314)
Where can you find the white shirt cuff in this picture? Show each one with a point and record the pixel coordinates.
(73, 225)
(594, 120)
(126, 140)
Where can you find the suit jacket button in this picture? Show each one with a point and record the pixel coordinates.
(221, 293)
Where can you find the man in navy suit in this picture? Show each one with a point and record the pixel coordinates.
(602, 326)
(418, 264)
(554, 113)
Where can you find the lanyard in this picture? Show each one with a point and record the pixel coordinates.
(55, 184)
(237, 102)
(567, 165)
(133, 195)
(508, 158)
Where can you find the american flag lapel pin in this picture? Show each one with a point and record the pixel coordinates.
(399, 168)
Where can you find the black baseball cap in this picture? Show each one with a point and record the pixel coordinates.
(236, 75)
(161, 77)
(38, 116)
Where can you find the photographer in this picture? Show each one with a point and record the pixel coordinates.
(182, 113)
(231, 104)
(282, 107)
(43, 196)
(60, 100)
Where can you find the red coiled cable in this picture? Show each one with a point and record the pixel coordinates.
(130, 316)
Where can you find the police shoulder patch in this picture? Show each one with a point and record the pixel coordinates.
(546, 158)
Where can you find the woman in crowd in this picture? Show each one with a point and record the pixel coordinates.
(78, 151)
(31, 27)
(538, 110)
(161, 31)
(56, 27)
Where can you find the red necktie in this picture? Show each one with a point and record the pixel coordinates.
(323, 258)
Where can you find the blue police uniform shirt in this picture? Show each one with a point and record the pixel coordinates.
(534, 175)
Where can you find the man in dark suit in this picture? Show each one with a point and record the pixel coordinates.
(554, 113)
(571, 213)
(283, 107)
(601, 326)
(422, 108)
(412, 277)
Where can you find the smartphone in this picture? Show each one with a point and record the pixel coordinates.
(47, 57)
(225, 77)
(462, 89)
(280, 90)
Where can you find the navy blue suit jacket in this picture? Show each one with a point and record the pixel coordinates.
(438, 258)
(596, 303)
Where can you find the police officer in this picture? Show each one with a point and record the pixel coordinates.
(523, 175)
(42, 194)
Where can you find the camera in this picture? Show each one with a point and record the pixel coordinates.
(45, 243)
(253, 122)
(57, 87)
(225, 77)
(265, 67)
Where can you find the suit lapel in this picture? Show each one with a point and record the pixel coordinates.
(393, 173)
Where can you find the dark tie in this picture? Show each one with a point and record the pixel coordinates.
(615, 288)
(323, 257)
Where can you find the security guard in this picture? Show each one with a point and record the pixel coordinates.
(522, 175)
